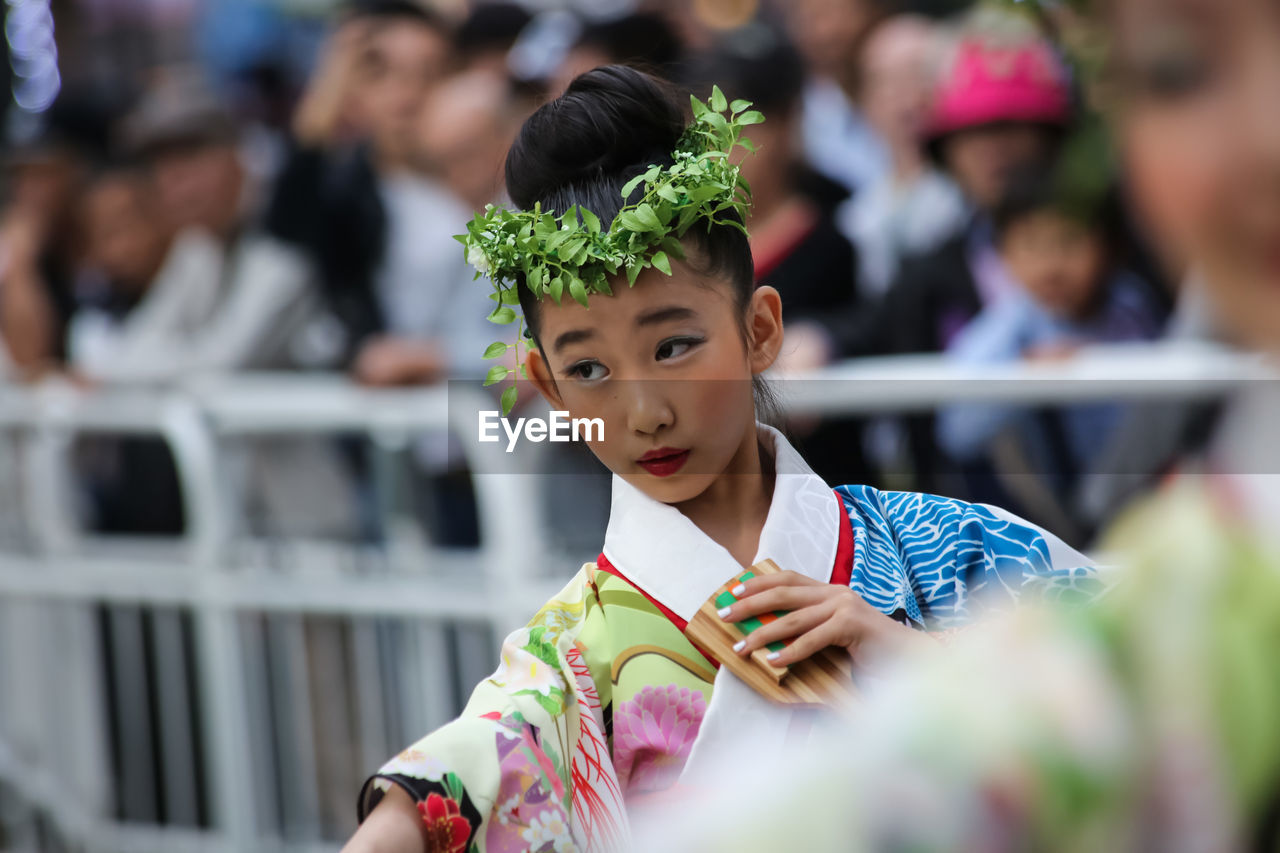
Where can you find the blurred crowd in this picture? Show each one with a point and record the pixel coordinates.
(928, 180)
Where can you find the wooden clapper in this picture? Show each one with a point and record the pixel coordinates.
(825, 679)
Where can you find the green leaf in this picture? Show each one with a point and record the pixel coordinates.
(718, 102)
(557, 239)
(705, 192)
(738, 106)
(508, 400)
(510, 296)
(699, 108)
(590, 220)
(647, 217)
(751, 117)
(503, 316)
(633, 272)
(556, 288)
(578, 292)
(628, 220)
(660, 261)
(630, 185)
(668, 192)
(496, 349)
(496, 374)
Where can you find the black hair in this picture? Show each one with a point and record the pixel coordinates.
(492, 26)
(581, 148)
(643, 40)
(610, 125)
(757, 63)
(1031, 191)
(406, 10)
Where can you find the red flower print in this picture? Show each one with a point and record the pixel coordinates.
(447, 830)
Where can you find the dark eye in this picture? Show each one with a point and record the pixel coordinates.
(1171, 62)
(587, 370)
(1174, 76)
(674, 347)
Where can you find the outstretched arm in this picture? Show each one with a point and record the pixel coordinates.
(393, 826)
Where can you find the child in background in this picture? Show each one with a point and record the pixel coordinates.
(1072, 294)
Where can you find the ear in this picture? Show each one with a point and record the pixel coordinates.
(540, 375)
(764, 327)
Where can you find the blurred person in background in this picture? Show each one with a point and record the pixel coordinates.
(646, 40)
(794, 242)
(464, 132)
(129, 257)
(1193, 93)
(349, 182)
(838, 140)
(486, 35)
(914, 206)
(1003, 106)
(39, 237)
(1061, 248)
(241, 298)
(461, 134)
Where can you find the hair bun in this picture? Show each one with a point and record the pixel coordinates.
(609, 125)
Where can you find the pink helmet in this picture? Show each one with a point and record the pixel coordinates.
(1023, 82)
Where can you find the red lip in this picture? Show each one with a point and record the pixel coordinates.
(664, 461)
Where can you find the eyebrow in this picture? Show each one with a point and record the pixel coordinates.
(573, 336)
(665, 315)
(649, 318)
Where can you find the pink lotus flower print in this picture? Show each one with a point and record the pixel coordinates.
(652, 736)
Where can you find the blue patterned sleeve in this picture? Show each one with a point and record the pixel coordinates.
(942, 562)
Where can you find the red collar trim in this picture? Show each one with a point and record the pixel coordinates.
(841, 573)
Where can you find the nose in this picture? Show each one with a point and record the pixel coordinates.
(648, 406)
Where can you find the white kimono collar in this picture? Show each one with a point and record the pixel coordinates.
(667, 556)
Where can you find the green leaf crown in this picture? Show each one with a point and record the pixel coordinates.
(572, 253)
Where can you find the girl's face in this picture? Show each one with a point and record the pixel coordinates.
(1199, 121)
(666, 367)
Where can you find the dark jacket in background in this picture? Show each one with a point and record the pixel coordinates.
(328, 204)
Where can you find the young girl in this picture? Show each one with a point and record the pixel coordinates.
(601, 701)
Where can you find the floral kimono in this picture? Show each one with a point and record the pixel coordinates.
(601, 702)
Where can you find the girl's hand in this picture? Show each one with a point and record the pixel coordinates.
(822, 615)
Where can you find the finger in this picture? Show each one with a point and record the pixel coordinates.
(769, 600)
(788, 627)
(780, 599)
(807, 644)
(763, 582)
